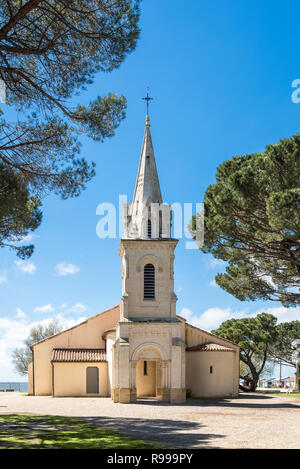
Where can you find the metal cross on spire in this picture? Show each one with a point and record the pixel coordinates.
(148, 99)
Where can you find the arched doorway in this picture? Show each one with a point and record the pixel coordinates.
(149, 372)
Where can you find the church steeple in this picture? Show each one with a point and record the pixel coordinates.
(147, 217)
(147, 188)
(147, 249)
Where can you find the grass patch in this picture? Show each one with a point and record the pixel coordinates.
(285, 394)
(19, 431)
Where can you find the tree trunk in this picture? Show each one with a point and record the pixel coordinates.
(242, 388)
(250, 384)
(253, 385)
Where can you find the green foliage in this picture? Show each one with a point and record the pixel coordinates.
(19, 212)
(252, 221)
(256, 337)
(262, 343)
(55, 432)
(49, 53)
(286, 346)
(21, 357)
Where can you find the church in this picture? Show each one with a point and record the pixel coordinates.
(140, 348)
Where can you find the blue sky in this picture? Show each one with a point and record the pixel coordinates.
(220, 73)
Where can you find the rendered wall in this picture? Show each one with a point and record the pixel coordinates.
(70, 379)
(85, 335)
(146, 384)
(30, 381)
(202, 383)
(195, 336)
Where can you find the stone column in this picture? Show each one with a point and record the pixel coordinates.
(158, 380)
(124, 373)
(115, 374)
(133, 381)
(165, 382)
(177, 387)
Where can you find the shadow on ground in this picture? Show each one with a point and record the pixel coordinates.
(33, 432)
(24, 431)
(185, 434)
(254, 401)
(171, 433)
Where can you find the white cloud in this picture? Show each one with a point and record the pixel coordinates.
(282, 314)
(3, 277)
(12, 335)
(27, 239)
(212, 318)
(213, 283)
(20, 314)
(186, 313)
(44, 309)
(216, 262)
(66, 269)
(27, 267)
(77, 308)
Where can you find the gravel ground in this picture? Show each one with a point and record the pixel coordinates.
(251, 421)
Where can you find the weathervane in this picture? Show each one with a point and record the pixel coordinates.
(148, 99)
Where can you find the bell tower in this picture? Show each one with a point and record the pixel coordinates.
(147, 249)
(148, 331)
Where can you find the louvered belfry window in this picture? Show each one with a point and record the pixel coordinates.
(149, 282)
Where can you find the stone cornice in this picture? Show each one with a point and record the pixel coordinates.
(161, 243)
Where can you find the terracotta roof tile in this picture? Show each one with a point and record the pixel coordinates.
(210, 347)
(78, 355)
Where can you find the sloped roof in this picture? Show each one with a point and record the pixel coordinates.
(110, 310)
(209, 347)
(213, 336)
(78, 355)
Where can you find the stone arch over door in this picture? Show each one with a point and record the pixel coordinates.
(149, 351)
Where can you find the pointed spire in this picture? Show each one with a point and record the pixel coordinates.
(147, 216)
(147, 192)
(147, 188)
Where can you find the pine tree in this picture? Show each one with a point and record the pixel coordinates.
(252, 221)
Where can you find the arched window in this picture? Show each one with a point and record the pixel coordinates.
(149, 282)
(149, 229)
